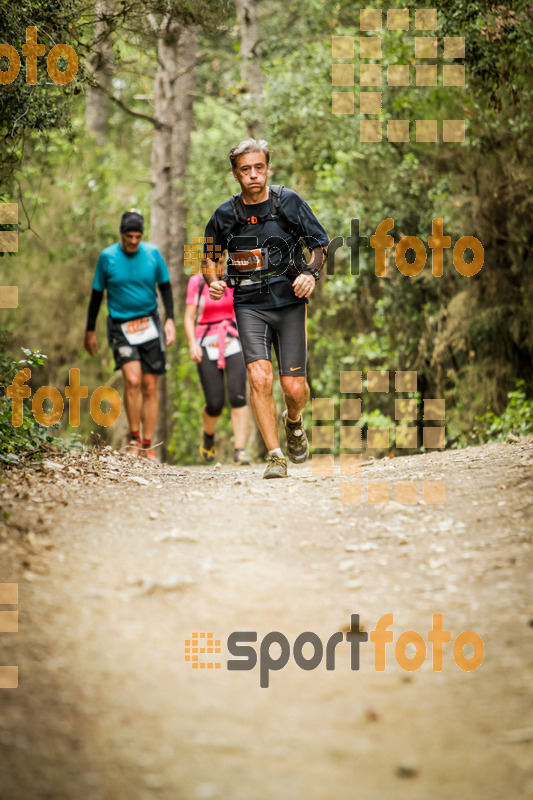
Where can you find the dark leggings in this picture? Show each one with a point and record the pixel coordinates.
(212, 380)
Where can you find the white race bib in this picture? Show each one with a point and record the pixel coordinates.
(211, 345)
(139, 331)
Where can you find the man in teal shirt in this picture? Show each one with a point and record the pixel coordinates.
(129, 271)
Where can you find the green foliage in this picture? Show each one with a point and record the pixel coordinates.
(26, 110)
(516, 418)
(480, 188)
(29, 436)
(469, 339)
(88, 189)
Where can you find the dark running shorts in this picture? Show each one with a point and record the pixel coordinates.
(285, 328)
(150, 354)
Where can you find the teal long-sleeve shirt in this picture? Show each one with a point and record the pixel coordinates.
(130, 279)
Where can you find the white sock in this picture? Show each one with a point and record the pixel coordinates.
(294, 421)
(276, 452)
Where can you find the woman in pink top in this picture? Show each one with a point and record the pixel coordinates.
(215, 347)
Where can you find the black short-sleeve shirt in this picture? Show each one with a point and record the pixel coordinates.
(276, 291)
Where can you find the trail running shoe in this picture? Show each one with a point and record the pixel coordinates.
(149, 453)
(297, 444)
(276, 467)
(132, 448)
(207, 449)
(241, 458)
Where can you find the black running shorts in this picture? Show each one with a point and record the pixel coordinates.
(284, 327)
(150, 354)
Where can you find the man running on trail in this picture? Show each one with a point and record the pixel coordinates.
(130, 270)
(263, 229)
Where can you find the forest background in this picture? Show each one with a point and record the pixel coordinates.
(165, 89)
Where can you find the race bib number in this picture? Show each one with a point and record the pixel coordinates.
(251, 259)
(211, 345)
(140, 331)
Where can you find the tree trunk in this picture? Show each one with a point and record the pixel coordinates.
(173, 111)
(101, 68)
(252, 84)
(250, 65)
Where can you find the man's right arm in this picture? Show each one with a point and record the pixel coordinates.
(213, 271)
(94, 307)
(214, 277)
(90, 343)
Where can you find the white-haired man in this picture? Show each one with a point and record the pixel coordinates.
(264, 230)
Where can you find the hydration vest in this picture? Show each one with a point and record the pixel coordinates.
(254, 259)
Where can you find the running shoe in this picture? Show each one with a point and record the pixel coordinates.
(241, 458)
(149, 454)
(276, 467)
(297, 444)
(207, 449)
(132, 448)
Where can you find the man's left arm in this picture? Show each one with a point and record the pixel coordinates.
(163, 281)
(165, 290)
(304, 284)
(317, 241)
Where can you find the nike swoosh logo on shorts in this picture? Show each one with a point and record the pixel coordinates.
(293, 369)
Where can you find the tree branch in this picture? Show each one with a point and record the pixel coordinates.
(121, 104)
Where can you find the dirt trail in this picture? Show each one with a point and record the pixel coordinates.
(119, 562)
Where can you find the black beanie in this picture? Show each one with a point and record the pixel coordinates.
(132, 221)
